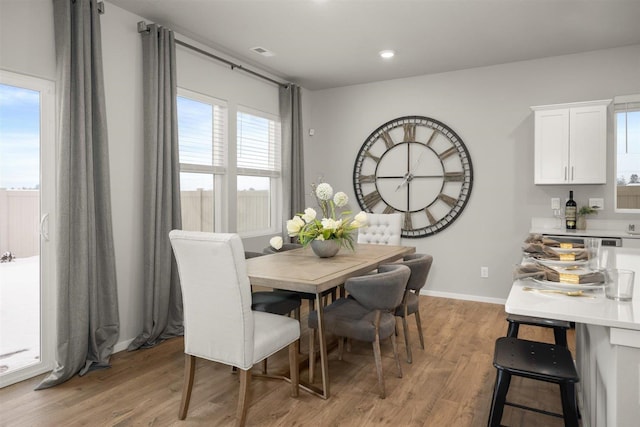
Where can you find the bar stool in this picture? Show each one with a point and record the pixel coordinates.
(537, 361)
(560, 327)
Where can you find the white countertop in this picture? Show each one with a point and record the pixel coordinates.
(598, 310)
(594, 311)
(595, 228)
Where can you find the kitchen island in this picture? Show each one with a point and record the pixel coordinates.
(607, 344)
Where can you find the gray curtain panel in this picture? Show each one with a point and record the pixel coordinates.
(88, 325)
(162, 297)
(292, 151)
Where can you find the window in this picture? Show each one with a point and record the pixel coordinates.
(202, 136)
(258, 169)
(627, 160)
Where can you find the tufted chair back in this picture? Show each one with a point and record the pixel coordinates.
(381, 229)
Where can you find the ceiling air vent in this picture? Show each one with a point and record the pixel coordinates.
(262, 51)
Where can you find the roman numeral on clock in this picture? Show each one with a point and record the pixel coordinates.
(367, 178)
(371, 156)
(372, 199)
(409, 132)
(387, 139)
(432, 137)
(454, 176)
(388, 210)
(447, 199)
(407, 221)
(430, 217)
(451, 151)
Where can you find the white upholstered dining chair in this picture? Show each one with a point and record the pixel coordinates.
(381, 229)
(219, 324)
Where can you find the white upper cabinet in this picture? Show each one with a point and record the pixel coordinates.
(571, 143)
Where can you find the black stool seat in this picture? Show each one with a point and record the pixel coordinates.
(559, 327)
(275, 302)
(537, 361)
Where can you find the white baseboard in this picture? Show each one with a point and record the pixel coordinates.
(465, 297)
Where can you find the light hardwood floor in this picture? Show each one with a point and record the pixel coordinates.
(449, 384)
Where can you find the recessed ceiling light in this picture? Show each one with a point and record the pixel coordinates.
(387, 54)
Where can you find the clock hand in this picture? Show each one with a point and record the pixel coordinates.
(409, 174)
(415, 166)
(404, 181)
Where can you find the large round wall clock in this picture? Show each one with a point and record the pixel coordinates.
(417, 166)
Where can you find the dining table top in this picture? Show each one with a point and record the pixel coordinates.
(301, 270)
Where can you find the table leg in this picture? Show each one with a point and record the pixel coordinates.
(324, 364)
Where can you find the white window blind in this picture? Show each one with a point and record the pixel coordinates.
(202, 123)
(258, 149)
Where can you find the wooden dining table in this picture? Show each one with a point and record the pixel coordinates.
(302, 271)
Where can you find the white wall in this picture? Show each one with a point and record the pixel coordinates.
(489, 109)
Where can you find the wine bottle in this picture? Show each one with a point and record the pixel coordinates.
(570, 212)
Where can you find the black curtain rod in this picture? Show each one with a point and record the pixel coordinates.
(143, 27)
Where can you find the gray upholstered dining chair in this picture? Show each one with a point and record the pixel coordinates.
(219, 324)
(381, 229)
(367, 314)
(420, 265)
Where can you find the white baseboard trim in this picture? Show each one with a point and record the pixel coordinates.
(122, 345)
(466, 297)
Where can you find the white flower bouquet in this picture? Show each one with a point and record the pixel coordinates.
(334, 225)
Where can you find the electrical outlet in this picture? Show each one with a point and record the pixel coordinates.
(484, 272)
(596, 203)
(555, 203)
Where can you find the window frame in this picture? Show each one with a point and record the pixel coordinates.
(618, 101)
(220, 173)
(275, 176)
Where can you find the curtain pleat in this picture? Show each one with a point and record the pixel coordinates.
(292, 151)
(87, 303)
(162, 310)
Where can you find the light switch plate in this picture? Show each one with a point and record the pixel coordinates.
(596, 203)
(555, 203)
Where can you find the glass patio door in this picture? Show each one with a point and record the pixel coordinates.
(27, 197)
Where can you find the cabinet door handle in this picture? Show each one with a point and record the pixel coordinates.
(571, 173)
(565, 173)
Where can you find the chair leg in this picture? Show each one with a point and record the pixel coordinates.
(294, 367)
(189, 372)
(376, 354)
(378, 358)
(243, 399)
(569, 404)
(503, 379)
(560, 336)
(512, 330)
(396, 355)
(264, 367)
(405, 328)
(312, 355)
(419, 325)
